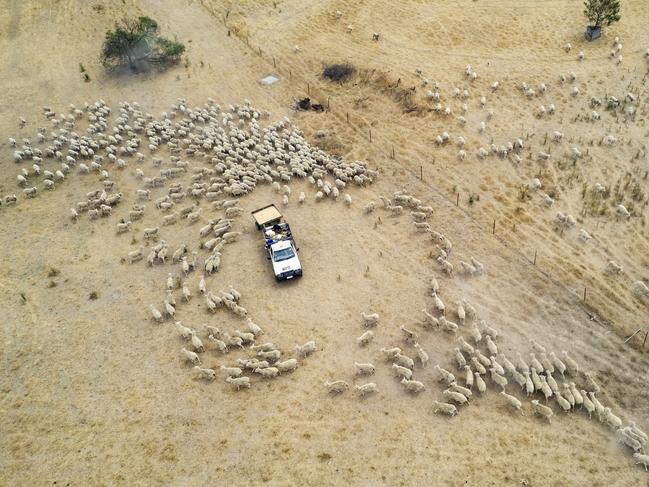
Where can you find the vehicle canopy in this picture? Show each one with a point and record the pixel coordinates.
(267, 215)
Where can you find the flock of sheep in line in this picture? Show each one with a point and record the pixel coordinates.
(534, 375)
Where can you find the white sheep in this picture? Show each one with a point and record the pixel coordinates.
(465, 346)
(197, 344)
(404, 361)
(365, 389)
(475, 334)
(462, 390)
(637, 433)
(370, 319)
(445, 375)
(413, 386)
(402, 372)
(421, 353)
(364, 369)
(455, 396)
(468, 376)
(369, 208)
(639, 458)
(513, 401)
(439, 304)
(254, 328)
(622, 212)
(156, 314)
(588, 404)
(185, 332)
(491, 346)
(306, 349)
(151, 232)
(267, 372)
(337, 386)
(560, 366)
(409, 335)
(239, 382)
(390, 353)
(231, 371)
(191, 357)
(444, 408)
(459, 358)
(204, 374)
(479, 382)
(365, 338)
(542, 410)
(287, 365)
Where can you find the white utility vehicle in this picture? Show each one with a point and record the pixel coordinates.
(278, 242)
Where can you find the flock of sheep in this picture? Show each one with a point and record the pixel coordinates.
(553, 144)
(231, 154)
(216, 156)
(554, 379)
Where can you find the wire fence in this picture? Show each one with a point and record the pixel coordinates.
(386, 149)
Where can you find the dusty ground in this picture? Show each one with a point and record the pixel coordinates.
(94, 393)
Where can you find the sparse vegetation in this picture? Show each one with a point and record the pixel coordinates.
(93, 295)
(53, 272)
(137, 40)
(338, 72)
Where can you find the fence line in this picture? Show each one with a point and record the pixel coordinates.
(579, 302)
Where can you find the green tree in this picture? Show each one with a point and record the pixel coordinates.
(135, 40)
(602, 12)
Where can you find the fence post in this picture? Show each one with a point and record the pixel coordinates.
(274, 65)
(308, 88)
(347, 117)
(370, 135)
(392, 151)
(421, 172)
(645, 339)
(457, 199)
(328, 102)
(584, 293)
(534, 263)
(493, 230)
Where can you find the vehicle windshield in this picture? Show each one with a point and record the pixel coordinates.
(283, 254)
